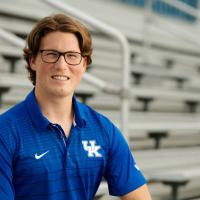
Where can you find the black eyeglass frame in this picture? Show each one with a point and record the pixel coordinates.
(61, 54)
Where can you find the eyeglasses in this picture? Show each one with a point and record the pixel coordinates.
(52, 56)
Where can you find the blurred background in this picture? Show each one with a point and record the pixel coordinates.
(145, 76)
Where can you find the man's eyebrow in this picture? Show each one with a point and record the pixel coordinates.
(50, 50)
(70, 51)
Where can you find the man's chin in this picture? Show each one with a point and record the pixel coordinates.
(62, 93)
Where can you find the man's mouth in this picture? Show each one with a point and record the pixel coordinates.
(60, 77)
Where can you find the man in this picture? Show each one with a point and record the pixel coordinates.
(52, 147)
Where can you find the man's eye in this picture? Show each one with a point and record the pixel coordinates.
(72, 56)
(51, 54)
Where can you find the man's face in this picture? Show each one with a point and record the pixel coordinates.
(58, 79)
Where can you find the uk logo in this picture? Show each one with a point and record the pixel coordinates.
(91, 148)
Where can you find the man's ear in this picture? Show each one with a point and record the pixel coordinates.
(85, 65)
(32, 62)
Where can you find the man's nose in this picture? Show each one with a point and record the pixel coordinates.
(61, 63)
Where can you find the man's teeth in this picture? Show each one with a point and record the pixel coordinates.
(58, 77)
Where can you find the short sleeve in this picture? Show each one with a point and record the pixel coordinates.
(122, 173)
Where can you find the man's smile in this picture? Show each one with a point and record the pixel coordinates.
(60, 77)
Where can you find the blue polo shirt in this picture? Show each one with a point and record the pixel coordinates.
(38, 162)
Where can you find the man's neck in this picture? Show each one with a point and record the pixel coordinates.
(58, 110)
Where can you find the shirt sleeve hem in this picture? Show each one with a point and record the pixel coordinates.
(127, 188)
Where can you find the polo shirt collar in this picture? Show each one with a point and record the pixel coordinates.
(41, 122)
(79, 113)
(35, 113)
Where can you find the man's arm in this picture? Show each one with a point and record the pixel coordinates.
(6, 187)
(139, 194)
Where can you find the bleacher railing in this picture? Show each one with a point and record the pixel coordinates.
(11, 38)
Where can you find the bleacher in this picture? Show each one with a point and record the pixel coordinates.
(164, 128)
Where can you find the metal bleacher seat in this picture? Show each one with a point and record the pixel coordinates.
(173, 167)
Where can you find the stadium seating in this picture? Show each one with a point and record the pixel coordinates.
(164, 109)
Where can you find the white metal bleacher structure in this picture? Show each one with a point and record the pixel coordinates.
(165, 113)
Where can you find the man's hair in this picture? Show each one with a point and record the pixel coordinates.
(58, 22)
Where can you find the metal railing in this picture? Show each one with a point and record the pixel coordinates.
(116, 34)
(11, 38)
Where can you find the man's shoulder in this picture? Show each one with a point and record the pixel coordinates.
(97, 120)
(10, 121)
(91, 113)
(12, 113)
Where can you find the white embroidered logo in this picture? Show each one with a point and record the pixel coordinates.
(41, 155)
(92, 149)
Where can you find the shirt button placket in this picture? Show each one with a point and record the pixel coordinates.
(62, 136)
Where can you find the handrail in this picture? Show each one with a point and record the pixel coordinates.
(104, 86)
(12, 38)
(125, 50)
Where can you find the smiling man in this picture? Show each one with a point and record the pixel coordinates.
(52, 147)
